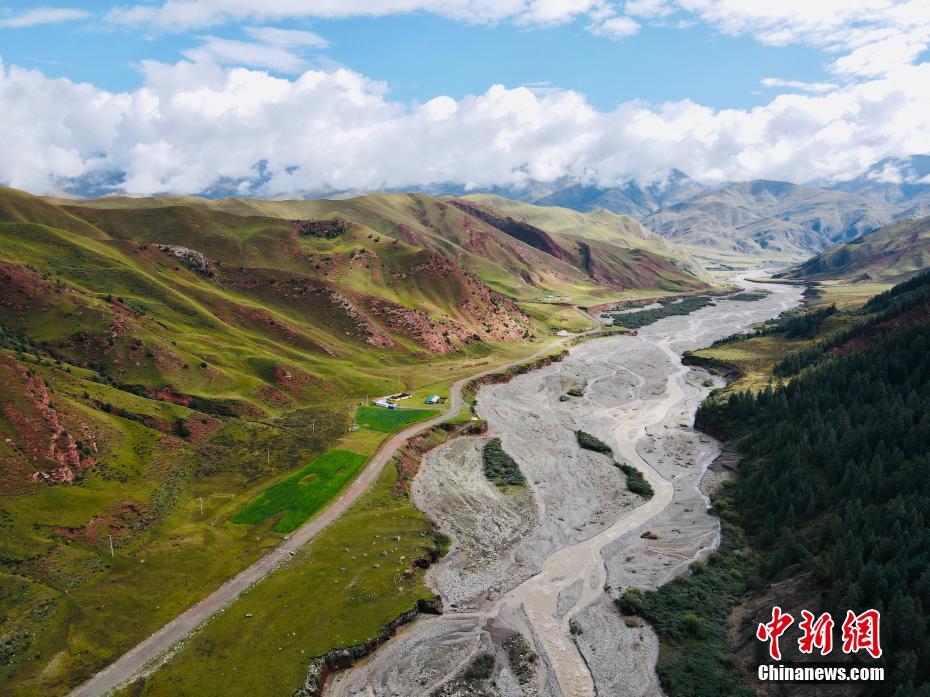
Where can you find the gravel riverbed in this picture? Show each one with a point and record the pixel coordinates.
(532, 573)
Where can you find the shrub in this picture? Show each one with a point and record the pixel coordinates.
(481, 668)
(632, 602)
(180, 428)
(499, 467)
(635, 481)
(589, 442)
(693, 624)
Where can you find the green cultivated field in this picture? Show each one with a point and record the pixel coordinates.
(387, 420)
(303, 493)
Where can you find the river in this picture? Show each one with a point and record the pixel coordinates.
(532, 574)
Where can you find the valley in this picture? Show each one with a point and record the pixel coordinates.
(191, 438)
(537, 567)
(182, 387)
(462, 348)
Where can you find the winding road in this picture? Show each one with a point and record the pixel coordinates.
(148, 654)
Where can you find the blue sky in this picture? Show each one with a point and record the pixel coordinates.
(281, 97)
(421, 56)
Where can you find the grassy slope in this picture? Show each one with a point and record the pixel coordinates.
(273, 381)
(621, 250)
(635, 257)
(505, 264)
(888, 255)
(599, 227)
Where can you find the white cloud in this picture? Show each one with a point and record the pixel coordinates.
(616, 27)
(43, 15)
(282, 50)
(866, 37)
(812, 87)
(180, 15)
(247, 53)
(194, 123)
(869, 37)
(186, 14)
(287, 37)
(648, 8)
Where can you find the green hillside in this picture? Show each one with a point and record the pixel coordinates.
(179, 378)
(888, 255)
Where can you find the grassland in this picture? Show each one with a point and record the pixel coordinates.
(754, 358)
(390, 420)
(339, 590)
(301, 494)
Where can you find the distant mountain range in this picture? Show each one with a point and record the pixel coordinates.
(736, 223)
(761, 220)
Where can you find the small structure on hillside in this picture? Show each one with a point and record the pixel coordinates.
(433, 399)
(385, 404)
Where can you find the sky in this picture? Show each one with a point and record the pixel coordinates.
(290, 97)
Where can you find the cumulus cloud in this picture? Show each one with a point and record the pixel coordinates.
(196, 123)
(43, 15)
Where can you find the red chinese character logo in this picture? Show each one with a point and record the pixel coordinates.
(861, 632)
(772, 630)
(817, 633)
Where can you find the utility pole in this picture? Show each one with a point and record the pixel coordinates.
(313, 426)
(268, 456)
(201, 506)
(111, 546)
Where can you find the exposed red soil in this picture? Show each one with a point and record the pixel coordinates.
(494, 315)
(119, 521)
(517, 229)
(418, 325)
(274, 397)
(42, 444)
(22, 290)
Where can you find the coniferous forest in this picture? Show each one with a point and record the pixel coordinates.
(836, 480)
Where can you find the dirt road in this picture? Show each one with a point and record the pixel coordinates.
(147, 655)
